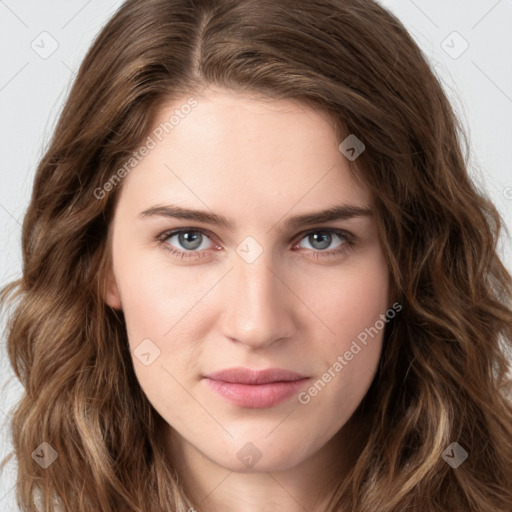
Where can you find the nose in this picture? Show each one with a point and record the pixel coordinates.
(257, 304)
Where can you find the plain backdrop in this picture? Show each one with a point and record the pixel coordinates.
(469, 45)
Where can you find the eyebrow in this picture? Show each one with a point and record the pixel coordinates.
(338, 212)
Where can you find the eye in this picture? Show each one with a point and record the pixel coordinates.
(193, 243)
(320, 239)
(190, 242)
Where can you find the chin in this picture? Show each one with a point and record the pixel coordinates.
(260, 457)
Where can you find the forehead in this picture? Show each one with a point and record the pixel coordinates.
(237, 152)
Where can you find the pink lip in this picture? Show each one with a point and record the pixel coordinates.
(255, 389)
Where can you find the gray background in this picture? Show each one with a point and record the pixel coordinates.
(42, 44)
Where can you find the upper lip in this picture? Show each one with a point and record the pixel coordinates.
(248, 376)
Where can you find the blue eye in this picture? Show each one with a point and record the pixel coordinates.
(323, 239)
(192, 240)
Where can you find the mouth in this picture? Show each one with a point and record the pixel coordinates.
(255, 389)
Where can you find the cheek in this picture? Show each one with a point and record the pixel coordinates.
(350, 299)
(352, 305)
(155, 303)
(155, 295)
(162, 310)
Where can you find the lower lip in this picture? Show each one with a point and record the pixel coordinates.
(256, 396)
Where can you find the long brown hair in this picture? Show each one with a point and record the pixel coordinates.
(442, 377)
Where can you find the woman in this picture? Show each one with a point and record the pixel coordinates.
(258, 277)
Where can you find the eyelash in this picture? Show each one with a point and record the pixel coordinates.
(347, 244)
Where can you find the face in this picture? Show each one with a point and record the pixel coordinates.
(288, 307)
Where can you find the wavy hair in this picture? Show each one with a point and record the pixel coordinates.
(443, 374)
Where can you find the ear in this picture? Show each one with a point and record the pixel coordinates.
(111, 291)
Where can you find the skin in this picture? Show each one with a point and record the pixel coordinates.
(257, 163)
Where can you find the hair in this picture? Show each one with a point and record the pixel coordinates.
(442, 376)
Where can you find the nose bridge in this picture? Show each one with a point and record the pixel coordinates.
(256, 306)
